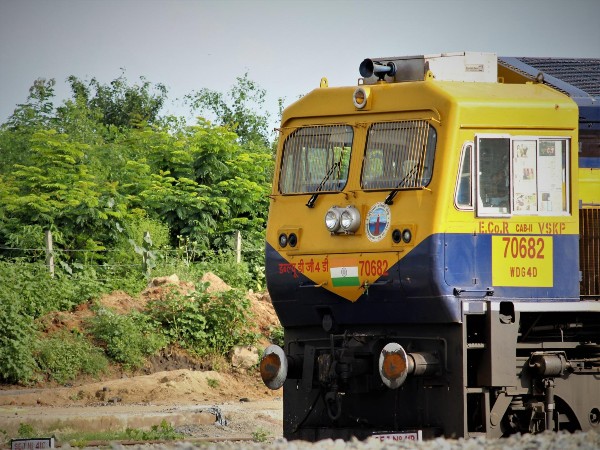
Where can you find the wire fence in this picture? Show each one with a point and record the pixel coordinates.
(144, 258)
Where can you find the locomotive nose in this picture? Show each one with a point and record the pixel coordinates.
(273, 367)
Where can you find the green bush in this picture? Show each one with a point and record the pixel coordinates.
(64, 355)
(227, 320)
(128, 338)
(17, 336)
(203, 322)
(39, 293)
(117, 277)
(180, 317)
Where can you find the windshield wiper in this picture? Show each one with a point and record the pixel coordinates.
(313, 198)
(402, 184)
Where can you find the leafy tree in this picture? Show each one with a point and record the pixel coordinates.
(208, 184)
(37, 113)
(57, 191)
(118, 103)
(241, 110)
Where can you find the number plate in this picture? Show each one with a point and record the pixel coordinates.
(408, 436)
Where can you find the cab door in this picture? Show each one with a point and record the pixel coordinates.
(460, 241)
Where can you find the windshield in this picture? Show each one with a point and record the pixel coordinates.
(316, 159)
(399, 155)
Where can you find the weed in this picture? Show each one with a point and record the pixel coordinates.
(205, 323)
(79, 396)
(180, 318)
(17, 338)
(260, 435)
(212, 382)
(25, 430)
(3, 437)
(276, 335)
(164, 431)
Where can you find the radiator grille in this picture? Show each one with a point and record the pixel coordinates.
(589, 251)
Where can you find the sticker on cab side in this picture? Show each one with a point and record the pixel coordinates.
(522, 261)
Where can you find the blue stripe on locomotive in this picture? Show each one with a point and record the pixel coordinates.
(422, 287)
(468, 265)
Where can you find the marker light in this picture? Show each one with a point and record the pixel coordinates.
(273, 367)
(332, 219)
(283, 240)
(406, 236)
(350, 219)
(292, 239)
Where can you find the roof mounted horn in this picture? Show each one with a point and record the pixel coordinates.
(369, 68)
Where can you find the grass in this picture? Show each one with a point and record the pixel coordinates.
(162, 432)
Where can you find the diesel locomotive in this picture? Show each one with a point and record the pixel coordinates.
(433, 253)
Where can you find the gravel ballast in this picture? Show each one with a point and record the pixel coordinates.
(544, 441)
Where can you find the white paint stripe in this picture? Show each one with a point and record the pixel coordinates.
(344, 272)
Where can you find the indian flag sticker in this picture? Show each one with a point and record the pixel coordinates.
(344, 272)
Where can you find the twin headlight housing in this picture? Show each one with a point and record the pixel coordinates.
(342, 220)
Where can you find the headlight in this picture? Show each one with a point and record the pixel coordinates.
(350, 219)
(342, 220)
(360, 98)
(332, 219)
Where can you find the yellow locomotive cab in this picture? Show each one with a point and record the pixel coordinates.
(385, 171)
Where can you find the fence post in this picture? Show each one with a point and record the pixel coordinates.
(49, 253)
(145, 246)
(238, 247)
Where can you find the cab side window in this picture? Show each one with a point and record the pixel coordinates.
(464, 188)
(525, 175)
(493, 175)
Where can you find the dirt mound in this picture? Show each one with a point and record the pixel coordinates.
(215, 284)
(172, 375)
(121, 302)
(263, 313)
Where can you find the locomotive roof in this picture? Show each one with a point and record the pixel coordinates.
(432, 95)
(576, 77)
(579, 78)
